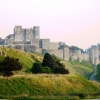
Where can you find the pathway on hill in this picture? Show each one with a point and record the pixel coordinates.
(92, 77)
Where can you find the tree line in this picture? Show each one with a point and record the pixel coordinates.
(50, 64)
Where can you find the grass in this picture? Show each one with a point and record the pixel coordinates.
(43, 86)
(40, 86)
(25, 58)
(84, 68)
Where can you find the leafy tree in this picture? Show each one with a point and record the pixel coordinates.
(8, 65)
(37, 68)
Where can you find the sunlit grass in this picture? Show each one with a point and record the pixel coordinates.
(46, 85)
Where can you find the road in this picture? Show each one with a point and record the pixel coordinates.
(92, 77)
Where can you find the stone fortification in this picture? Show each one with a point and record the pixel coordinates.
(94, 54)
(54, 45)
(44, 43)
(56, 52)
(29, 40)
(35, 42)
(2, 41)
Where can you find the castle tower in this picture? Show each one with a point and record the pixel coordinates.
(92, 54)
(96, 55)
(66, 55)
(36, 32)
(99, 51)
(29, 35)
(19, 34)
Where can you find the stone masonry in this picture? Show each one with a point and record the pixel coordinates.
(29, 40)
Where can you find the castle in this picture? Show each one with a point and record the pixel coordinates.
(29, 40)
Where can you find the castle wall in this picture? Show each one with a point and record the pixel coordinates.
(19, 47)
(29, 48)
(85, 57)
(44, 44)
(9, 41)
(54, 45)
(39, 50)
(73, 56)
(2, 42)
(28, 40)
(78, 53)
(58, 53)
(35, 42)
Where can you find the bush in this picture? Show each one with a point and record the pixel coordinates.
(61, 70)
(47, 70)
(8, 65)
(54, 64)
(36, 68)
(48, 61)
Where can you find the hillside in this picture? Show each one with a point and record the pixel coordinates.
(83, 69)
(24, 57)
(48, 86)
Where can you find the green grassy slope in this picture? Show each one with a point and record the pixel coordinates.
(35, 86)
(27, 59)
(83, 68)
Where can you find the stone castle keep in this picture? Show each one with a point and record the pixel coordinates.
(29, 40)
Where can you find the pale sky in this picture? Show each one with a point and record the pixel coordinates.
(75, 22)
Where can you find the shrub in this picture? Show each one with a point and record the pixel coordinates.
(54, 64)
(8, 65)
(61, 70)
(47, 70)
(48, 61)
(36, 68)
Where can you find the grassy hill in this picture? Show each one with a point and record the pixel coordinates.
(83, 69)
(48, 86)
(25, 58)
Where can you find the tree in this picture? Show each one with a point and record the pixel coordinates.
(47, 70)
(54, 64)
(48, 61)
(60, 67)
(8, 65)
(37, 68)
